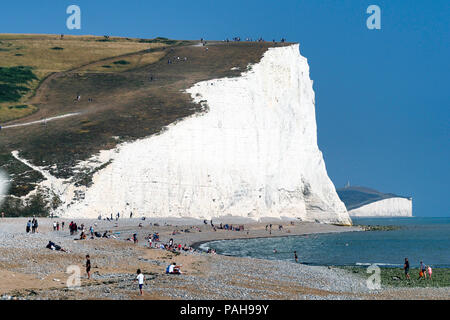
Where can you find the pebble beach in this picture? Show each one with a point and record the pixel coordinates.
(28, 270)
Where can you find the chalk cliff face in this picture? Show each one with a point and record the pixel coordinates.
(3, 186)
(392, 207)
(252, 153)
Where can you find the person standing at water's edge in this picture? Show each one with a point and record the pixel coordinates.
(295, 256)
(406, 268)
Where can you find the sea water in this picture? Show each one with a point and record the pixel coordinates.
(418, 239)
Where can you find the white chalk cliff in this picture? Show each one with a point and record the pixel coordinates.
(392, 207)
(253, 153)
(4, 182)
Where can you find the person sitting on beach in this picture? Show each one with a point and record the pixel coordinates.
(53, 246)
(173, 269)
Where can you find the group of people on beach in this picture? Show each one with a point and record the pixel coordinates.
(228, 227)
(57, 225)
(423, 270)
(32, 226)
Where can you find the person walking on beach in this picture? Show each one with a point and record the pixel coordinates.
(429, 272)
(140, 279)
(35, 226)
(88, 266)
(406, 268)
(149, 240)
(295, 256)
(28, 226)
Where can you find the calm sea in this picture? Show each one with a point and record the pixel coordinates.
(426, 239)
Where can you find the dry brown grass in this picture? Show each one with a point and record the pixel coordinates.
(38, 52)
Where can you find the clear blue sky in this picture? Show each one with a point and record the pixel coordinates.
(382, 96)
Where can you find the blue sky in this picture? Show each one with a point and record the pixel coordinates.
(382, 96)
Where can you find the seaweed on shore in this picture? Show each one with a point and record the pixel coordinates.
(395, 277)
(378, 228)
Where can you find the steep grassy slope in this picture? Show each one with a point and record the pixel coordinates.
(128, 92)
(43, 55)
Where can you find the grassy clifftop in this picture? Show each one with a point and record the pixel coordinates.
(121, 89)
(42, 55)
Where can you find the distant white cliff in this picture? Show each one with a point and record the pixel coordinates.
(392, 207)
(367, 202)
(252, 153)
